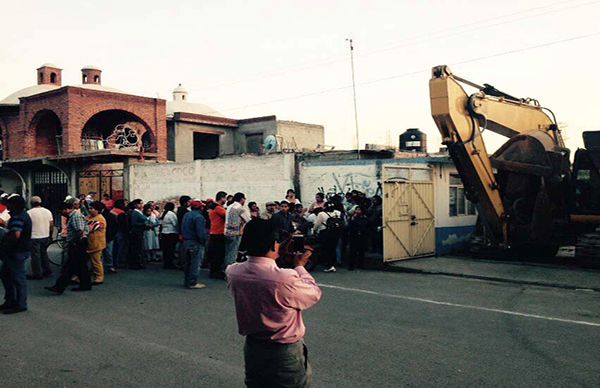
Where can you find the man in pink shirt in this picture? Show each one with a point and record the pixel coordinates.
(269, 301)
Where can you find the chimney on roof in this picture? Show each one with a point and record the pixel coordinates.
(49, 74)
(91, 75)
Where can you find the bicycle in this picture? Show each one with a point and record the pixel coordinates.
(58, 244)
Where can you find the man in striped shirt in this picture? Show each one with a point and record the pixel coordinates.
(77, 258)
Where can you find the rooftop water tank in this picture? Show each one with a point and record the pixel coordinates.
(413, 140)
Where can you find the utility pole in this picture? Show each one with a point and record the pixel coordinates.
(354, 94)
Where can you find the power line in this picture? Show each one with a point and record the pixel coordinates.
(415, 40)
(415, 72)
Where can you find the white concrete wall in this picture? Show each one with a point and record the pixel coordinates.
(262, 178)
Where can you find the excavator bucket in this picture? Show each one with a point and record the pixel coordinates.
(523, 154)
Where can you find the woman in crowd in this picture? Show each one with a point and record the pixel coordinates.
(169, 235)
(151, 244)
(96, 240)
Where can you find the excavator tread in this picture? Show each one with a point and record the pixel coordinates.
(588, 246)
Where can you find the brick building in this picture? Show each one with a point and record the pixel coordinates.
(59, 140)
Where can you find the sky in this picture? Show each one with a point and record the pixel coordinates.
(291, 58)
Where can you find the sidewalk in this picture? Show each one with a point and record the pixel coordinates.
(549, 275)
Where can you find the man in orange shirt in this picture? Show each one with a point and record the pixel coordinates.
(216, 239)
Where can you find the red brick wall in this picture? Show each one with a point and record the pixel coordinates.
(83, 104)
(74, 107)
(23, 142)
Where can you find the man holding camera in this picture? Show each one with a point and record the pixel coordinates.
(269, 301)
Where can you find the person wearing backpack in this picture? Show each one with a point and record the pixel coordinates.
(329, 226)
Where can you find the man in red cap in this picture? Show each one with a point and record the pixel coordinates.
(193, 229)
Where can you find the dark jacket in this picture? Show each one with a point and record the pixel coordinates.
(111, 224)
(181, 211)
(358, 228)
(139, 222)
(283, 222)
(193, 227)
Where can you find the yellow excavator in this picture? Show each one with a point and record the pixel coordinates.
(529, 197)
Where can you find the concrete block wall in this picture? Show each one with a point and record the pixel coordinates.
(304, 136)
(184, 140)
(261, 178)
(263, 125)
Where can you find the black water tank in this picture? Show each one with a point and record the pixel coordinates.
(413, 140)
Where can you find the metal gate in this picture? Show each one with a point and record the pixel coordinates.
(408, 213)
(52, 187)
(101, 182)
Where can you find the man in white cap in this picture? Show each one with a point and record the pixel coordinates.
(42, 228)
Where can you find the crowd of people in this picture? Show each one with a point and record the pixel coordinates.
(103, 236)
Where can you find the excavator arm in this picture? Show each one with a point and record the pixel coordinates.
(535, 147)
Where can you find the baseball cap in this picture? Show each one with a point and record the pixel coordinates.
(36, 199)
(196, 204)
(271, 203)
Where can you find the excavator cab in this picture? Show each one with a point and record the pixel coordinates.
(586, 176)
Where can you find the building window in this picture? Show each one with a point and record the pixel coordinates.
(459, 204)
(41, 76)
(96, 79)
(84, 78)
(53, 78)
(206, 146)
(254, 143)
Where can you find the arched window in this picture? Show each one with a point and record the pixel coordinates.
(183, 97)
(41, 76)
(53, 78)
(96, 79)
(84, 79)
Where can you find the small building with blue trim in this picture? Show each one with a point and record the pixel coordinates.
(454, 216)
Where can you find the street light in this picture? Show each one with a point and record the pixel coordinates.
(354, 94)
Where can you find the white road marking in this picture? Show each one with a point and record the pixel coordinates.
(464, 306)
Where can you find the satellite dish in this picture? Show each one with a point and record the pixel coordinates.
(270, 144)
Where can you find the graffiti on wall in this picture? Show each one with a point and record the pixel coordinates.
(342, 183)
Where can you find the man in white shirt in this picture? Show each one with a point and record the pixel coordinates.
(42, 226)
(235, 219)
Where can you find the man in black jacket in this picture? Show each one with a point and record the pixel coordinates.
(283, 219)
(111, 233)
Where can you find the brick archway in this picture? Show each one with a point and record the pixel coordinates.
(47, 129)
(117, 129)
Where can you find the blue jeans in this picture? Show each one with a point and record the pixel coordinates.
(14, 279)
(232, 245)
(194, 255)
(107, 255)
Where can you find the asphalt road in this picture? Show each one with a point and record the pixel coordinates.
(371, 329)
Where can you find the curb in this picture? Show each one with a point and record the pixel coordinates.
(489, 278)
